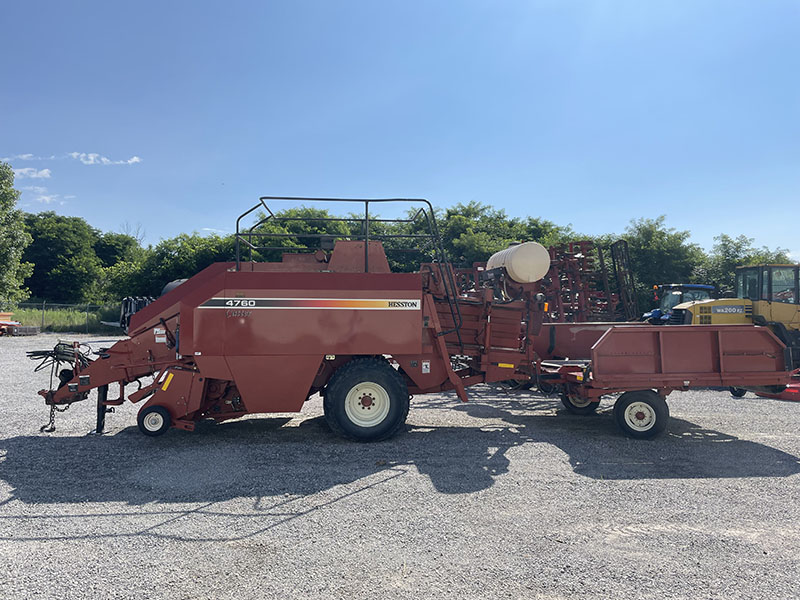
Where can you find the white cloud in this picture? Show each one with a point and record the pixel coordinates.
(31, 173)
(212, 230)
(43, 196)
(87, 158)
(93, 158)
(27, 156)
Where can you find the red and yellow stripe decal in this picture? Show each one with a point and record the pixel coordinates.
(314, 303)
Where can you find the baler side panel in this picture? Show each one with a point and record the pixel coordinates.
(274, 383)
(180, 391)
(169, 303)
(214, 367)
(290, 315)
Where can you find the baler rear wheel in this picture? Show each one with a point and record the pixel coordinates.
(154, 420)
(737, 392)
(641, 414)
(366, 400)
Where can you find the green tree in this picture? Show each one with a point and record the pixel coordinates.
(180, 257)
(112, 248)
(473, 232)
(13, 241)
(66, 267)
(728, 252)
(125, 278)
(296, 228)
(660, 254)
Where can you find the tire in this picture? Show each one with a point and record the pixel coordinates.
(546, 388)
(642, 414)
(577, 405)
(366, 400)
(154, 420)
(737, 392)
(515, 385)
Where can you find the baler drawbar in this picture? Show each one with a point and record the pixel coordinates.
(254, 336)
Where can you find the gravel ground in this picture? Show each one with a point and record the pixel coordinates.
(507, 496)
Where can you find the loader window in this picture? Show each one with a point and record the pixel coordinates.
(783, 285)
(747, 284)
(670, 299)
(694, 295)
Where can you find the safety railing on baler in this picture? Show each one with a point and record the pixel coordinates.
(422, 217)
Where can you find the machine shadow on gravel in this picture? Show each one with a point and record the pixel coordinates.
(265, 457)
(596, 448)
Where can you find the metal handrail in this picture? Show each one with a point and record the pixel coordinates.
(426, 211)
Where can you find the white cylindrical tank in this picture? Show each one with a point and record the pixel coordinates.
(524, 263)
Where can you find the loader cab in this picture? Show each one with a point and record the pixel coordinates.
(773, 289)
(770, 283)
(765, 295)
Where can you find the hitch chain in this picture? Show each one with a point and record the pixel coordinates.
(50, 427)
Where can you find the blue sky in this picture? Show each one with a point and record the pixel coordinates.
(177, 115)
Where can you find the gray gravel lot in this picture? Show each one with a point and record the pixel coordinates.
(507, 496)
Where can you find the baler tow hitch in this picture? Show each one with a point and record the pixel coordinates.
(71, 354)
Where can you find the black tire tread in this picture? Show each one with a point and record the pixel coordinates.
(652, 398)
(589, 409)
(356, 365)
(154, 408)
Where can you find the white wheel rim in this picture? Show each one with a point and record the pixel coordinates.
(153, 422)
(367, 404)
(640, 416)
(579, 402)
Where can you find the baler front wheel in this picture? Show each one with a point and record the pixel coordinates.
(154, 420)
(366, 400)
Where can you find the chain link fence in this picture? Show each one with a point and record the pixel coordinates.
(69, 318)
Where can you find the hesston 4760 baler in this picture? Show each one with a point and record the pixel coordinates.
(262, 337)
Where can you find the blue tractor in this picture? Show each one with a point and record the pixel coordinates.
(669, 295)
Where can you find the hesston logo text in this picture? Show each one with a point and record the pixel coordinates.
(403, 303)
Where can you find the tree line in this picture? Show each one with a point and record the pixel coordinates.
(62, 259)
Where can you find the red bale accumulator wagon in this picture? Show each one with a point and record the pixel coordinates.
(252, 336)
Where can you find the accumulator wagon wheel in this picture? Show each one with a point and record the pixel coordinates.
(366, 400)
(577, 405)
(642, 414)
(546, 388)
(154, 420)
(737, 392)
